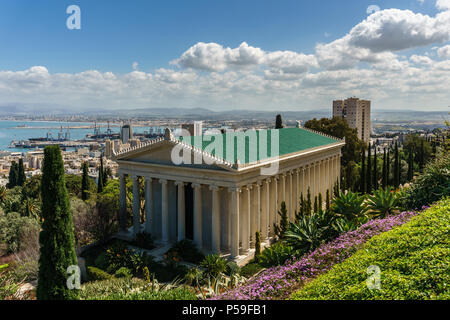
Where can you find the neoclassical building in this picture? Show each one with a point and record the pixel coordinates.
(218, 190)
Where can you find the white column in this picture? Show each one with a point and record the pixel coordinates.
(215, 220)
(234, 222)
(148, 205)
(181, 211)
(283, 189)
(257, 204)
(136, 206)
(297, 190)
(266, 207)
(244, 221)
(290, 197)
(122, 202)
(198, 215)
(164, 211)
(272, 205)
(254, 224)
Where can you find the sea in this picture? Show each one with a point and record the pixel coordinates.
(24, 130)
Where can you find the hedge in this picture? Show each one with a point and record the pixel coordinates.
(413, 259)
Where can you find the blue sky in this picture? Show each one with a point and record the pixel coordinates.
(115, 34)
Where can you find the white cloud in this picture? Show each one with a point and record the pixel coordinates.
(215, 58)
(135, 66)
(443, 4)
(444, 52)
(424, 60)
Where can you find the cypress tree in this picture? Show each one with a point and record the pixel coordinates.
(396, 167)
(422, 156)
(284, 222)
(100, 177)
(302, 205)
(316, 206)
(13, 175)
(388, 168)
(384, 178)
(410, 165)
(21, 178)
(320, 202)
(336, 188)
(84, 182)
(279, 122)
(57, 240)
(327, 205)
(308, 202)
(375, 170)
(363, 171)
(369, 171)
(257, 246)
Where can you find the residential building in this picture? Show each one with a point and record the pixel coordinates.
(357, 114)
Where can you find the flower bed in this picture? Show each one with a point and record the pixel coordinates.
(280, 282)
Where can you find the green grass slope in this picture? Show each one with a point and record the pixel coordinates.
(414, 260)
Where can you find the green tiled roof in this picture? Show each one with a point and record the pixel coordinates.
(290, 140)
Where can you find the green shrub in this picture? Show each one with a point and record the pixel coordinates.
(382, 203)
(102, 261)
(132, 289)
(123, 273)
(349, 206)
(276, 255)
(186, 251)
(15, 230)
(95, 274)
(413, 260)
(430, 186)
(251, 269)
(143, 240)
(213, 266)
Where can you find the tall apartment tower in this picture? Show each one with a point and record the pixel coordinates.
(126, 133)
(357, 114)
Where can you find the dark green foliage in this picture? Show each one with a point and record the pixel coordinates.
(123, 273)
(257, 245)
(388, 168)
(84, 182)
(308, 207)
(102, 261)
(57, 238)
(276, 255)
(384, 173)
(396, 167)
(363, 171)
(382, 203)
(349, 206)
(410, 166)
(100, 183)
(339, 128)
(279, 122)
(21, 178)
(250, 269)
(320, 203)
(369, 170)
(96, 274)
(431, 185)
(328, 201)
(280, 229)
(74, 186)
(187, 251)
(13, 175)
(143, 240)
(375, 170)
(213, 266)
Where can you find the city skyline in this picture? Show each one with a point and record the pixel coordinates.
(226, 55)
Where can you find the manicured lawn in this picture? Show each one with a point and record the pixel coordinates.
(414, 260)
